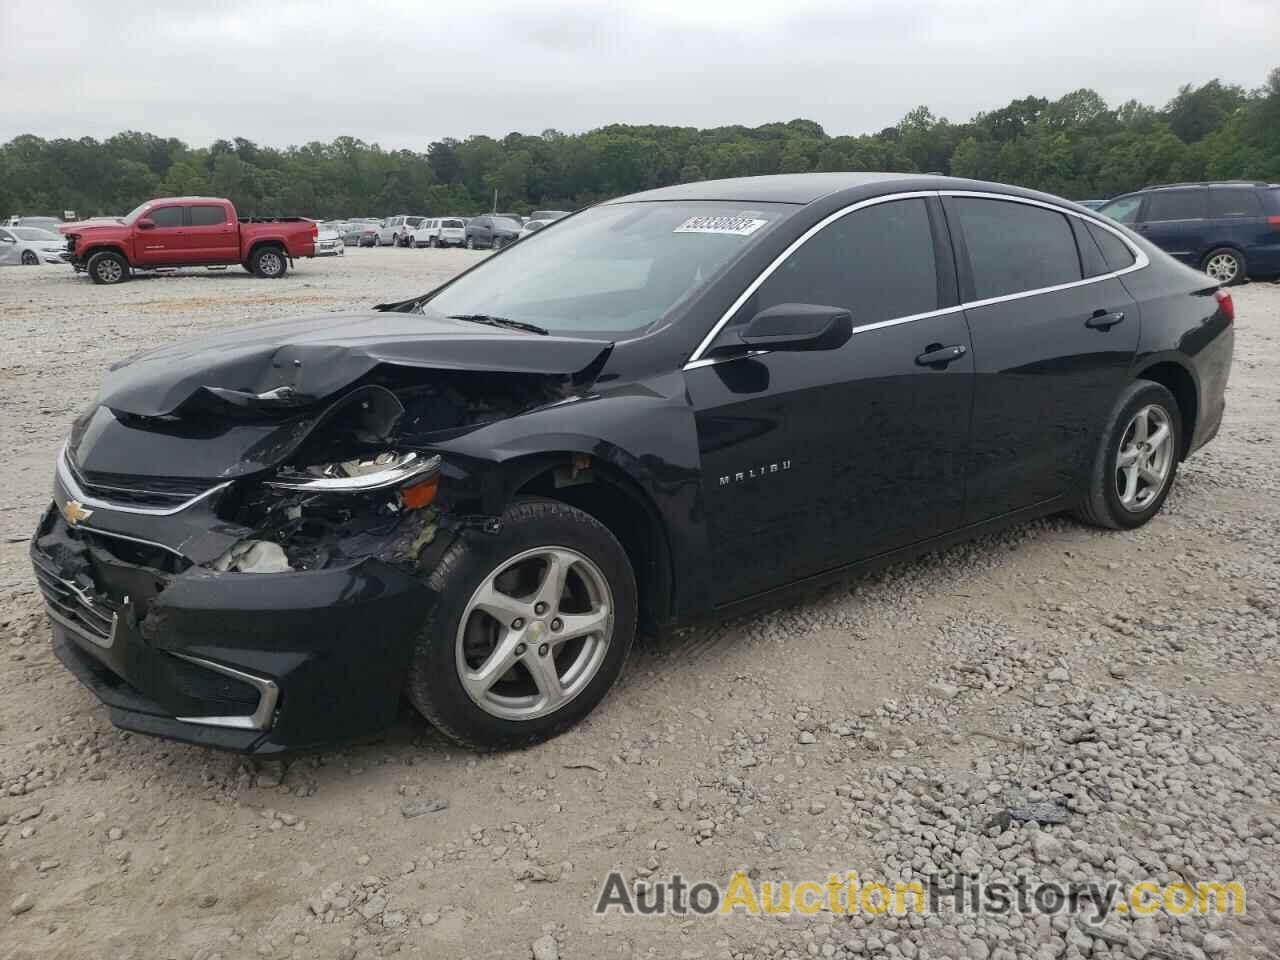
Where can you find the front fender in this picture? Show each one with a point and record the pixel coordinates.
(647, 432)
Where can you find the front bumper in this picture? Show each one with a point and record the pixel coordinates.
(330, 249)
(258, 663)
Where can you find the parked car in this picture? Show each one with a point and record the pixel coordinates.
(1230, 230)
(353, 232)
(491, 231)
(42, 223)
(188, 232)
(548, 215)
(532, 226)
(439, 232)
(261, 539)
(394, 231)
(369, 235)
(29, 246)
(329, 241)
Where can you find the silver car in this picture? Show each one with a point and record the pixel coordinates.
(28, 246)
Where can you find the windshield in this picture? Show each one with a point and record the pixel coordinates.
(612, 269)
(136, 212)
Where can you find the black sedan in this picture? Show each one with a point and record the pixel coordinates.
(673, 406)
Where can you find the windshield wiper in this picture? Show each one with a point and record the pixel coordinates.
(499, 322)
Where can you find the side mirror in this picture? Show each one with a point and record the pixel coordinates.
(798, 326)
(146, 223)
(8, 239)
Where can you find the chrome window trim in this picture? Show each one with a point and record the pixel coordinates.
(67, 478)
(268, 695)
(1140, 261)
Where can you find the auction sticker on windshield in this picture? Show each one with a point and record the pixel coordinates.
(734, 226)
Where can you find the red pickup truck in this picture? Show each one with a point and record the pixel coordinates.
(187, 232)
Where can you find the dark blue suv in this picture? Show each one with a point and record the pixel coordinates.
(1229, 230)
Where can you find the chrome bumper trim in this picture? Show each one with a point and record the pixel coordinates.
(268, 695)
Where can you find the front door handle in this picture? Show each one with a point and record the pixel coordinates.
(936, 355)
(1101, 320)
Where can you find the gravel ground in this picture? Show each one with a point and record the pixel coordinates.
(890, 726)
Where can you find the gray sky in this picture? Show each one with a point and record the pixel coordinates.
(406, 72)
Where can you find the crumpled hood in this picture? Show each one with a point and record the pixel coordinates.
(315, 357)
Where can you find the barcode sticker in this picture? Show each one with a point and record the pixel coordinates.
(733, 226)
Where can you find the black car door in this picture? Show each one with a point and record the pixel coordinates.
(812, 460)
(1052, 348)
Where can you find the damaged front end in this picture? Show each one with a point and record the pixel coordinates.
(235, 561)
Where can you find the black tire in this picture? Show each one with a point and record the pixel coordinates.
(1101, 504)
(1228, 277)
(29, 258)
(433, 683)
(497, 243)
(269, 263)
(471, 243)
(108, 267)
(433, 242)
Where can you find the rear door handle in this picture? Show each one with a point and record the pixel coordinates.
(939, 356)
(1101, 320)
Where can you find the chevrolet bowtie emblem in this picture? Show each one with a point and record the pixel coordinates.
(73, 512)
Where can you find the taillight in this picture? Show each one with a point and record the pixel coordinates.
(1273, 221)
(1225, 305)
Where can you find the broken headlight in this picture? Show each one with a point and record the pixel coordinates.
(304, 516)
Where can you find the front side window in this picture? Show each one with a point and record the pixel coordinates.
(1016, 247)
(1175, 205)
(1124, 210)
(166, 216)
(207, 216)
(1233, 202)
(877, 262)
(616, 268)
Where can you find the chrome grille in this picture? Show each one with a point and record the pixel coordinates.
(75, 608)
(138, 491)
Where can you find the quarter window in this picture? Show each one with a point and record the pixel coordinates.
(1234, 202)
(1175, 205)
(207, 216)
(1015, 247)
(1116, 252)
(877, 262)
(166, 216)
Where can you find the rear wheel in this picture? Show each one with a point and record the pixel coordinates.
(29, 259)
(1136, 460)
(1225, 265)
(529, 630)
(269, 263)
(471, 243)
(497, 243)
(108, 267)
(434, 242)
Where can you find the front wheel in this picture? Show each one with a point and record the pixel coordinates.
(29, 259)
(471, 243)
(1136, 460)
(434, 242)
(1225, 265)
(529, 630)
(269, 263)
(108, 267)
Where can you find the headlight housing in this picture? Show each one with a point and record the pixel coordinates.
(385, 471)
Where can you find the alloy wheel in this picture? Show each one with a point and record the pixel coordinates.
(1222, 267)
(1145, 458)
(534, 633)
(270, 263)
(109, 270)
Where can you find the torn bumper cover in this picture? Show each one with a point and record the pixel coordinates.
(245, 662)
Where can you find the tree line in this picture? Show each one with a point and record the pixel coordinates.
(1076, 146)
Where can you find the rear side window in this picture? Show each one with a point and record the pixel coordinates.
(1234, 202)
(1116, 252)
(1175, 205)
(1015, 247)
(878, 262)
(166, 216)
(207, 216)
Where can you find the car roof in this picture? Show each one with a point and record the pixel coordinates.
(805, 188)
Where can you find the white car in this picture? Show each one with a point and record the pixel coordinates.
(439, 232)
(28, 246)
(532, 226)
(329, 240)
(394, 231)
